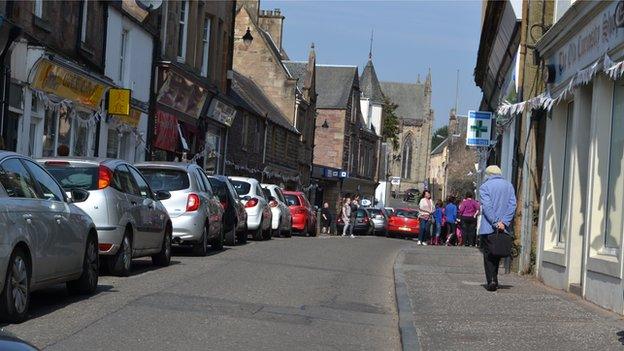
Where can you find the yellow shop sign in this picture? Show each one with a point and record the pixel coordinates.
(65, 83)
(119, 102)
(131, 119)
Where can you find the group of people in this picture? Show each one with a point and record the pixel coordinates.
(450, 223)
(347, 215)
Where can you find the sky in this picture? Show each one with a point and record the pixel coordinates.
(409, 38)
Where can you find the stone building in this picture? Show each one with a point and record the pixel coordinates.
(371, 107)
(411, 160)
(345, 155)
(290, 85)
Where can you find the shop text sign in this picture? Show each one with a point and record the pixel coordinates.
(222, 112)
(589, 44)
(479, 128)
(119, 101)
(166, 131)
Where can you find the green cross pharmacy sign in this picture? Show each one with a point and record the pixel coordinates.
(479, 128)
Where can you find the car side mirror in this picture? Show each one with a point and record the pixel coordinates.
(162, 195)
(79, 195)
(245, 198)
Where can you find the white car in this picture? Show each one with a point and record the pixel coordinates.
(259, 214)
(282, 220)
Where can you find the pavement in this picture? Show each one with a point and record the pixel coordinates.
(324, 293)
(444, 306)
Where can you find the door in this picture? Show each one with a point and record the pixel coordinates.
(129, 205)
(26, 210)
(68, 244)
(215, 208)
(152, 215)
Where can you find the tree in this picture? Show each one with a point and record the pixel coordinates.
(390, 130)
(438, 136)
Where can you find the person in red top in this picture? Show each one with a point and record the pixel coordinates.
(468, 211)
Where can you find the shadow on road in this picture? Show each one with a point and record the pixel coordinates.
(187, 251)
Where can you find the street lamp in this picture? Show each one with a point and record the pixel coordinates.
(325, 124)
(247, 38)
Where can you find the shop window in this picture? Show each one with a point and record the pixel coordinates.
(112, 143)
(63, 132)
(212, 159)
(615, 185)
(49, 134)
(565, 186)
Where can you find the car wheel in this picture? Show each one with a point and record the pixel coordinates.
(121, 263)
(217, 244)
(312, 231)
(88, 281)
(257, 234)
(163, 258)
(201, 248)
(230, 237)
(16, 295)
(268, 233)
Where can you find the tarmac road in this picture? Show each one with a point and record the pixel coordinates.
(325, 293)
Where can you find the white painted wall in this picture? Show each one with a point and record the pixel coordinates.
(372, 113)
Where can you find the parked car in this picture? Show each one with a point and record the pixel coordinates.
(259, 215)
(379, 219)
(303, 215)
(363, 223)
(45, 238)
(130, 219)
(234, 215)
(403, 222)
(282, 219)
(10, 342)
(195, 211)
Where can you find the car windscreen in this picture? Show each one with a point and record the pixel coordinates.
(70, 177)
(241, 187)
(165, 179)
(219, 188)
(292, 200)
(374, 212)
(406, 214)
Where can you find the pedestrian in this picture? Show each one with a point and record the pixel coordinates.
(355, 204)
(62, 150)
(450, 212)
(438, 220)
(468, 212)
(326, 219)
(425, 210)
(346, 215)
(499, 206)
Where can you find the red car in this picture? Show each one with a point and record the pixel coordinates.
(403, 222)
(303, 215)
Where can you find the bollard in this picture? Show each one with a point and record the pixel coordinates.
(318, 221)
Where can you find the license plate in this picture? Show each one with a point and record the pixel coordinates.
(407, 229)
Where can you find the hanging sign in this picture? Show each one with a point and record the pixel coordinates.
(119, 101)
(395, 181)
(65, 83)
(182, 94)
(479, 128)
(221, 112)
(166, 131)
(132, 119)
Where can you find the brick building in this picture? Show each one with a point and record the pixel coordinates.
(345, 154)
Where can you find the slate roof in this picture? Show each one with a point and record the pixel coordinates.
(409, 97)
(298, 70)
(251, 97)
(440, 147)
(333, 85)
(369, 84)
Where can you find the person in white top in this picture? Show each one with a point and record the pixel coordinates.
(346, 215)
(425, 211)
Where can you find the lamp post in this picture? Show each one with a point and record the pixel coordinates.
(247, 38)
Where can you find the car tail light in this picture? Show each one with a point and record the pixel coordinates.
(251, 203)
(224, 204)
(105, 175)
(57, 163)
(300, 210)
(366, 220)
(192, 203)
(273, 203)
(104, 247)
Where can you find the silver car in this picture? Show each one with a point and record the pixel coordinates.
(256, 205)
(45, 238)
(380, 222)
(282, 220)
(130, 220)
(195, 211)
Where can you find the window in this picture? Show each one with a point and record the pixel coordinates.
(354, 104)
(241, 187)
(200, 182)
(122, 55)
(206, 47)
(16, 180)
(245, 131)
(49, 188)
(74, 176)
(204, 179)
(182, 30)
(565, 186)
(292, 200)
(83, 24)
(112, 143)
(406, 159)
(144, 189)
(615, 184)
(38, 8)
(122, 181)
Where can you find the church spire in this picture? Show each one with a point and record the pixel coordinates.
(370, 50)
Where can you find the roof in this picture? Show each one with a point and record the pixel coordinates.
(298, 70)
(333, 85)
(251, 97)
(279, 54)
(410, 98)
(166, 165)
(440, 147)
(369, 84)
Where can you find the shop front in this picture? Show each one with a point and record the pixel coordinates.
(54, 106)
(581, 220)
(218, 120)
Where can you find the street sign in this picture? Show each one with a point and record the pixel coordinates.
(479, 129)
(395, 180)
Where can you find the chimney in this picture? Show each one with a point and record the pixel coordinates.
(272, 22)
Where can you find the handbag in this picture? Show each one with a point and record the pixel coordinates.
(499, 244)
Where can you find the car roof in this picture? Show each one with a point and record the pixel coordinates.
(290, 192)
(166, 165)
(111, 162)
(272, 186)
(245, 179)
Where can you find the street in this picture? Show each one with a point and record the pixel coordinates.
(284, 294)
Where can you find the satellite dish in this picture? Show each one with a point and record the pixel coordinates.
(149, 5)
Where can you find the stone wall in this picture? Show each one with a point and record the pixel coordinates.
(329, 146)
